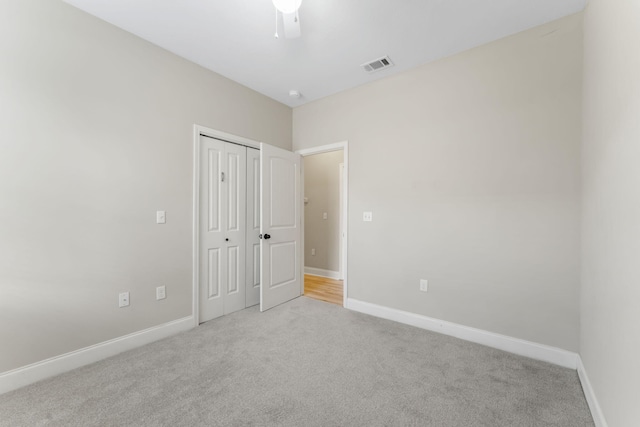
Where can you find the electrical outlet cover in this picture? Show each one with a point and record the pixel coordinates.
(123, 299)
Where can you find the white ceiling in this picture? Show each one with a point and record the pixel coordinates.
(235, 38)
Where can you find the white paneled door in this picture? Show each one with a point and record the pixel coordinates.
(222, 228)
(280, 262)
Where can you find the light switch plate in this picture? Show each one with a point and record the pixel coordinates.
(161, 292)
(324, 215)
(367, 216)
(161, 217)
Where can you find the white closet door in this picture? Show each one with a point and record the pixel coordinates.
(222, 228)
(235, 182)
(253, 227)
(280, 226)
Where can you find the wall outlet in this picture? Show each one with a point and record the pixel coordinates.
(324, 215)
(424, 285)
(161, 217)
(123, 299)
(367, 216)
(161, 292)
(313, 252)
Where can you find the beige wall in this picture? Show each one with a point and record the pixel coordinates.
(610, 297)
(470, 166)
(322, 190)
(96, 134)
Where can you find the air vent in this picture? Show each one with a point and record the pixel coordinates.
(378, 64)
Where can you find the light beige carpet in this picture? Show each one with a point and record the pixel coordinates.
(305, 363)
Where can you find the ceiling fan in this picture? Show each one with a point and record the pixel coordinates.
(290, 18)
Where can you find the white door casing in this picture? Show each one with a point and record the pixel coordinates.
(280, 194)
(341, 222)
(222, 228)
(253, 228)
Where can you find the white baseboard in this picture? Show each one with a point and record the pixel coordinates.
(20, 377)
(589, 394)
(322, 272)
(530, 349)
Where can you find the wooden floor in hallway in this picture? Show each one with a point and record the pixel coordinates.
(323, 289)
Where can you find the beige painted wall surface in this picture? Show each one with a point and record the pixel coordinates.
(322, 189)
(96, 134)
(610, 297)
(470, 166)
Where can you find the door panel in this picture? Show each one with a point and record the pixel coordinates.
(222, 225)
(233, 186)
(214, 165)
(282, 189)
(212, 234)
(253, 228)
(282, 273)
(232, 269)
(213, 279)
(280, 207)
(235, 225)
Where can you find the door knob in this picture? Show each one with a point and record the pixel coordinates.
(226, 240)
(267, 236)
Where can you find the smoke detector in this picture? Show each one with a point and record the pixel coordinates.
(377, 64)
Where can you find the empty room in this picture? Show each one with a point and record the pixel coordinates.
(162, 201)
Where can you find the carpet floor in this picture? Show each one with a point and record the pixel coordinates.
(305, 363)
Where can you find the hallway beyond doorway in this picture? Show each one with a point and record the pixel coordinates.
(323, 289)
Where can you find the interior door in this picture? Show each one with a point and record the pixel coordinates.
(222, 228)
(235, 184)
(280, 226)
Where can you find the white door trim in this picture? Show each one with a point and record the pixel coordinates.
(341, 222)
(344, 145)
(213, 133)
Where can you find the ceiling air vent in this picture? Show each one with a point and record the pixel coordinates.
(378, 64)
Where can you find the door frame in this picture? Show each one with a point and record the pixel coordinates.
(344, 146)
(342, 221)
(223, 136)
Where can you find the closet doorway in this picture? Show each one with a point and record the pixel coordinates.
(247, 224)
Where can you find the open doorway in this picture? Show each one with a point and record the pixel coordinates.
(325, 207)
